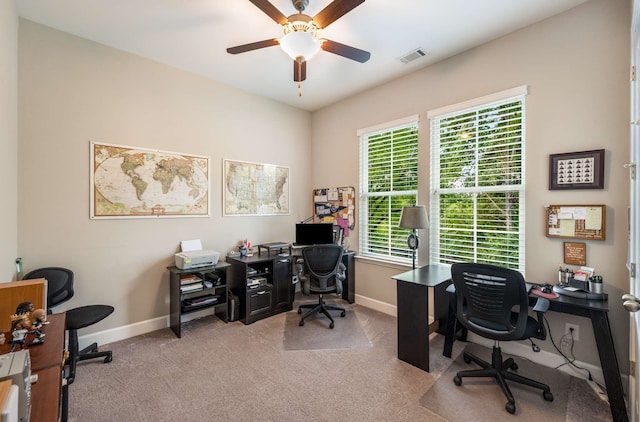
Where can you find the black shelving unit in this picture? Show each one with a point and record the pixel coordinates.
(262, 283)
(189, 293)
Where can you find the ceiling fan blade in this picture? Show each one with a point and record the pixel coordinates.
(345, 51)
(252, 46)
(299, 71)
(270, 10)
(334, 11)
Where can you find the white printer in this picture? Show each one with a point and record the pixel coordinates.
(193, 256)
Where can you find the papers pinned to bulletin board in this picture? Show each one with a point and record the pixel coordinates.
(576, 221)
(336, 206)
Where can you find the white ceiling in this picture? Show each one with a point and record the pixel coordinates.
(194, 34)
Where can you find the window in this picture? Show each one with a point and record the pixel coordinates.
(477, 181)
(388, 181)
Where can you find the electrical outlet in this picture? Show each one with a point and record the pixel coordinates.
(576, 330)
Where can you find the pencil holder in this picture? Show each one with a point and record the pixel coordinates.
(595, 284)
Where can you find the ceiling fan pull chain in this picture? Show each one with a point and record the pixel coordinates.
(299, 89)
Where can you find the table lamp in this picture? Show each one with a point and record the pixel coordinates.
(414, 217)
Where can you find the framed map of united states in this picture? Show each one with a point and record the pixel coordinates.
(255, 189)
(131, 182)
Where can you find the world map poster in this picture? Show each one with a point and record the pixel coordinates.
(255, 189)
(128, 182)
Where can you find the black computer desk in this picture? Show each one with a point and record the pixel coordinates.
(598, 312)
(413, 322)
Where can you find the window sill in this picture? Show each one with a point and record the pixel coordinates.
(384, 263)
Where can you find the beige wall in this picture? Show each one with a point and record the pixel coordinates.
(8, 139)
(577, 68)
(73, 91)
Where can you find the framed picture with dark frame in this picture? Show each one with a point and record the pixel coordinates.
(577, 170)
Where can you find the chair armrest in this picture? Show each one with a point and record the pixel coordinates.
(342, 274)
(541, 306)
(304, 280)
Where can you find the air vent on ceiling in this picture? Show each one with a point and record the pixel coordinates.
(413, 55)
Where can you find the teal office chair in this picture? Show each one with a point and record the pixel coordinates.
(323, 272)
(493, 302)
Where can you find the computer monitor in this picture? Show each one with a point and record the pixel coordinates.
(314, 234)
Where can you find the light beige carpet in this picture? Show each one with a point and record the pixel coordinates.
(238, 373)
(481, 399)
(316, 334)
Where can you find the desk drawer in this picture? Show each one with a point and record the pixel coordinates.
(259, 300)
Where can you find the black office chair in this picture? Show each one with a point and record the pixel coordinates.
(60, 290)
(323, 272)
(493, 302)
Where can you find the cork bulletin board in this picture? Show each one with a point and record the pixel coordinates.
(576, 221)
(335, 205)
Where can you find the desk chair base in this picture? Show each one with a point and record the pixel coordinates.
(500, 370)
(321, 306)
(89, 352)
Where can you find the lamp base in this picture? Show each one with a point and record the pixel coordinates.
(413, 242)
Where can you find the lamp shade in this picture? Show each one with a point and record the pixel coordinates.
(300, 44)
(414, 217)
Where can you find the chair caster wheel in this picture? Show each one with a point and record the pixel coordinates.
(299, 311)
(511, 407)
(108, 359)
(514, 367)
(302, 322)
(457, 380)
(547, 395)
(331, 325)
(466, 358)
(342, 314)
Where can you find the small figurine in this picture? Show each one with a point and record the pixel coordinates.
(19, 330)
(24, 308)
(39, 319)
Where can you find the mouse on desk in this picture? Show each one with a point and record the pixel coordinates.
(547, 288)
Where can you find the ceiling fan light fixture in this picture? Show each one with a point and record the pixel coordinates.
(300, 40)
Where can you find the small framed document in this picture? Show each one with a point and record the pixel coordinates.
(575, 253)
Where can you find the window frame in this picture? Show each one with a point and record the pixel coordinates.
(436, 193)
(397, 249)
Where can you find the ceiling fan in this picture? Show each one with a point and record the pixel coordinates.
(300, 34)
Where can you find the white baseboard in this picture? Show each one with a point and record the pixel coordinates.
(124, 332)
(127, 331)
(377, 305)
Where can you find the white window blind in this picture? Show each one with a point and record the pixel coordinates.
(388, 181)
(477, 182)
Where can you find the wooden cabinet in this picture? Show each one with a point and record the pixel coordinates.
(16, 292)
(197, 289)
(262, 284)
(47, 364)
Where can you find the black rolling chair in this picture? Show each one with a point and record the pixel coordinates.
(493, 302)
(60, 290)
(323, 272)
